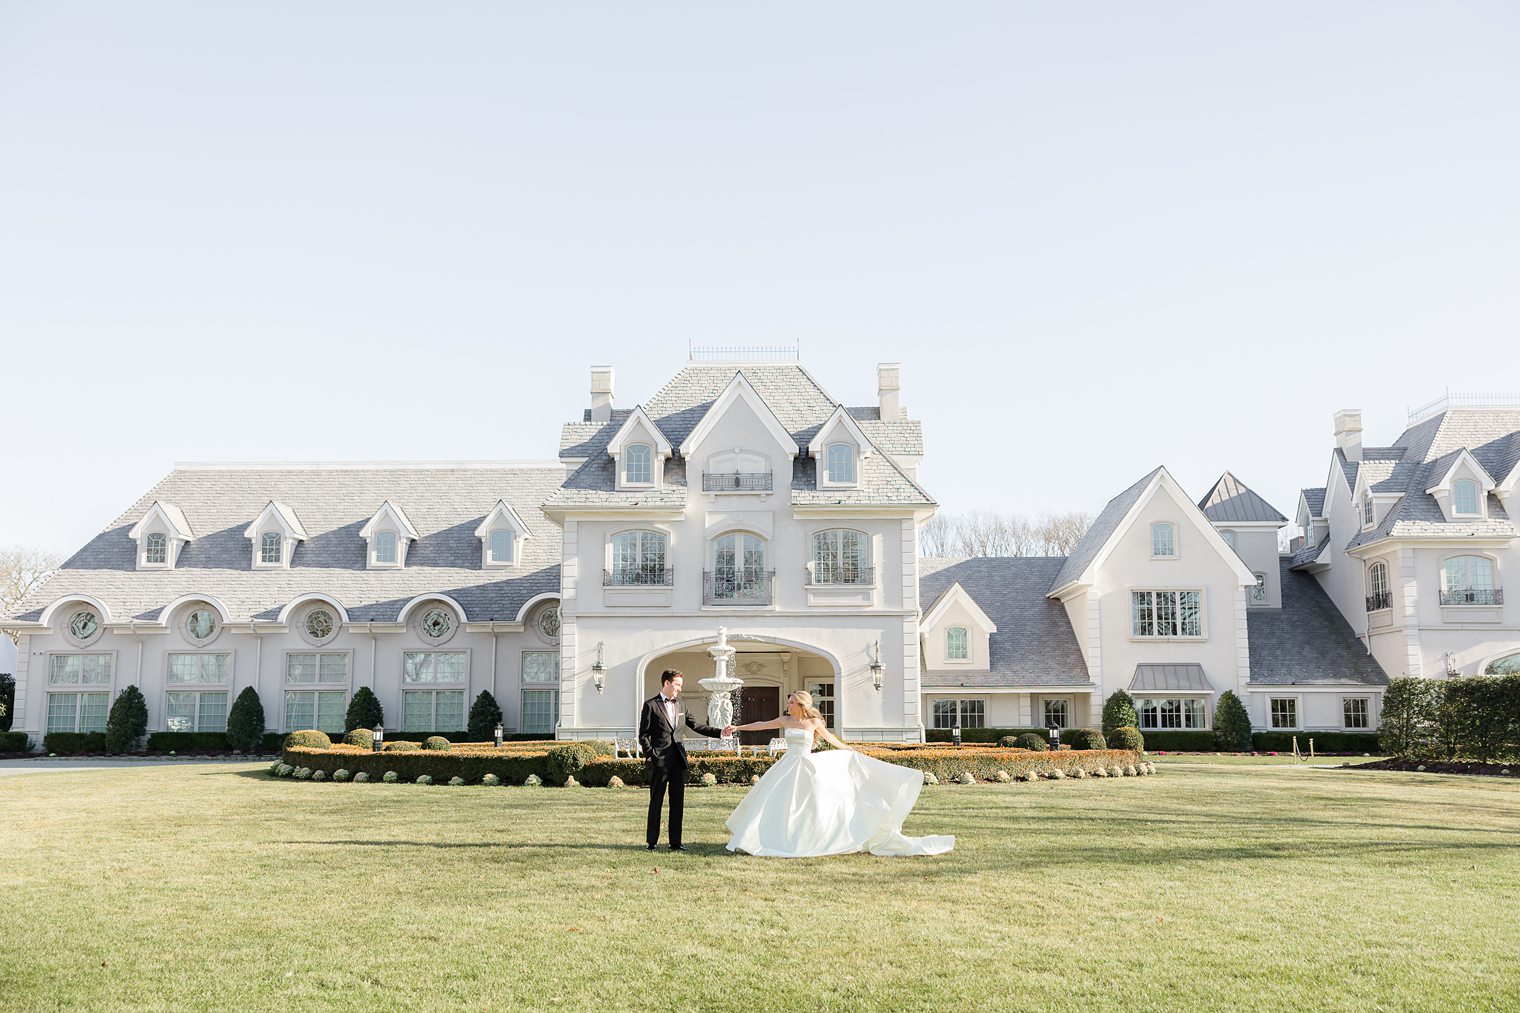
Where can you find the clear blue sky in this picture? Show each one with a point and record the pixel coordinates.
(1098, 236)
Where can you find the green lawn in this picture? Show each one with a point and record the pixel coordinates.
(1201, 888)
(1260, 760)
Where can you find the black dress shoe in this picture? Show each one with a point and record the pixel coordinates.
(653, 846)
(678, 847)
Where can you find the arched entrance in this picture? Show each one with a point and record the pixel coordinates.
(771, 669)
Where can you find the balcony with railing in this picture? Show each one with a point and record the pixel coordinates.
(1379, 600)
(739, 586)
(736, 481)
(1473, 596)
(831, 574)
(646, 575)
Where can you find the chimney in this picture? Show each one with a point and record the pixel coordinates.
(601, 393)
(887, 389)
(1348, 432)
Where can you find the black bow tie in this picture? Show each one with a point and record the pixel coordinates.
(666, 699)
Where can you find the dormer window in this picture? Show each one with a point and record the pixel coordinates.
(385, 547)
(156, 549)
(501, 535)
(1163, 541)
(389, 534)
(638, 464)
(273, 535)
(841, 464)
(638, 452)
(271, 548)
(957, 644)
(160, 535)
(500, 552)
(1367, 512)
(1309, 533)
(1464, 498)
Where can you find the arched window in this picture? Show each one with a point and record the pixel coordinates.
(957, 646)
(738, 573)
(1464, 497)
(270, 546)
(839, 557)
(638, 466)
(1507, 665)
(1163, 540)
(1468, 580)
(1367, 512)
(841, 462)
(1377, 587)
(157, 548)
(638, 557)
(1259, 590)
(385, 547)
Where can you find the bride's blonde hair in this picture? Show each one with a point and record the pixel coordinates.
(805, 701)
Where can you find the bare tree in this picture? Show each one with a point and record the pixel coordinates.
(985, 533)
(21, 569)
(1060, 533)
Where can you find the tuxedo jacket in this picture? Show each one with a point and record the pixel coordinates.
(660, 739)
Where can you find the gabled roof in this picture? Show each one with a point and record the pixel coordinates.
(1309, 554)
(1440, 471)
(638, 420)
(1034, 644)
(739, 389)
(1314, 499)
(501, 513)
(1307, 642)
(396, 516)
(172, 518)
(841, 417)
(1102, 529)
(953, 594)
(280, 514)
(1232, 501)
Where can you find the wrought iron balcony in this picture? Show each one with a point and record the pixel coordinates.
(639, 576)
(1380, 600)
(736, 481)
(832, 574)
(1473, 596)
(742, 586)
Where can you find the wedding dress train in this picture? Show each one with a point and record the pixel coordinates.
(831, 803)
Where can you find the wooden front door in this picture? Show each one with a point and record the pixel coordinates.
(758, 703)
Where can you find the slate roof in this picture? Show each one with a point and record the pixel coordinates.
(1315, 500)
(1034, 644)
(1179, 678)
(1307, 642)
(799, 403)
(1102, 530)
(445, 503)
(1231, 500)
(1309, 553)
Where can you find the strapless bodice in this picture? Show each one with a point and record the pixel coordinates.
(798, 740)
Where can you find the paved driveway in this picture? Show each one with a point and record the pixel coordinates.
(46, 766)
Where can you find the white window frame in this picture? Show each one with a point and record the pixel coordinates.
(950, 656)
(552, 692)
(1192, 712)
(493, 557)
(1047, 703)
(822, 568)
(79, 695)
(1177, 593)
(1171, 538)
(833, 455)
(1469, 585)
(1377, 582)
(638, 454)
(1366, 702)
(198, 691)
(433, 687)
(155, 540)
(1297, 703)
(1456, 499)
(265, 545)
(375, 561)
(341, 688)
(964, 707)
(824, 699)
(644, 561)
(1369, 512)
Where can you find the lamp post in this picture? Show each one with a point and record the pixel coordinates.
(598, 669)
(497, 733)
(955, 733)
(876, 667)
(1055, 737)
(377, 737)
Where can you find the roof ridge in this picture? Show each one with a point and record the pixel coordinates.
(150, 495)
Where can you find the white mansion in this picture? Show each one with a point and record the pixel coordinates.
(742, 495)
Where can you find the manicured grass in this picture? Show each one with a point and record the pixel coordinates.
(1259, 760)
(1201, 888)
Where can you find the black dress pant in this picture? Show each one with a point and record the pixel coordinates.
(660, 778)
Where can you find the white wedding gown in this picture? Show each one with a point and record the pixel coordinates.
(831, 803)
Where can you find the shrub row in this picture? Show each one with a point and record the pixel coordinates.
(14, 742)
(1324, 742)
(1474, 718)
(1190, 742)
(204, 742)
(987, 735)
(581, 761)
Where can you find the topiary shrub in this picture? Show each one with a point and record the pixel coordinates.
(308, 738)
(341, 775)
(364, 710)
(1127, 737)
(127, 722)
(319, 775)
(567, 760)
(245, 721)
(490, 780)
(400, 746)
(456, 781)
(364, 738)
(1408, 727)
(1119, 712)
(1232, 725)
(1086, 738)
(362, 777)
(390, 777)
(424, 779)
(15, 742)
(437, 743)
(485, 715)
(1029, 740)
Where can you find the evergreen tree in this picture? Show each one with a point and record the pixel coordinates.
(1408, 727)
(127, 722)
(1119, 712)
(485, 715)
(1232, 725)
(7, 700)
(245, 722)
(364, 710)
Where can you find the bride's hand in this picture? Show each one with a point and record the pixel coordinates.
(728, 731)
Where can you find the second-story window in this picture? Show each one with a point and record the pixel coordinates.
(1259, 590)
(1367, 512)
(739, 575)
(957, 644)
(638, 464)
(638, 557)
(270, 547)
(157, 548)
(1309, 532)
(1163, 540)
(839, 557)
(841, 463)
(1464, 497)
(1377, 587)
(1166, 613)
(1468, 580)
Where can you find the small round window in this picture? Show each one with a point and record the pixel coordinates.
(437, 623)
(548, 622)
(84, 625)
(201, 625)
(320, 624)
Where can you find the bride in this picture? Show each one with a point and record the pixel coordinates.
(832, 803)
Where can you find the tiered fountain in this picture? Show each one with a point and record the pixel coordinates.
(721, 686)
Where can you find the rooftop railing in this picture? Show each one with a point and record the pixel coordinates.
(744, 353)
(1450, 400)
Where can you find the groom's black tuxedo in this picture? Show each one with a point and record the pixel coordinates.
(667, 761)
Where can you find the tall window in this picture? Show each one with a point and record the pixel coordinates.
(1377, 587)
(638, 557)
(823, 699)
(1172, 713)
(962, 713)
(1163, 540)
(82, 705)
(1356, 712)
(738, 572)
(1367, 511)
(316, 690)
(1464, 497)
(957, 645)
(1468, 580)
(501, 546)
(157, 550)
(540, 694)
(269, 547)
(1309, 532)
(841, 462)
(1056, 714)
(1166, 613)
(1284, 711)
(430, 709)
(385, 546)
(189, 706)
(638, 460)
(839, 557)
(1259, 590)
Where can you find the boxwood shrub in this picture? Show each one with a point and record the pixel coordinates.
(1324, 742)
(309, 738)
(74, 743)
(983, 735)
(364, 738)
(1187, 742)
(15, 742)
(437, 743)
(1085, 738)
(1127, 737)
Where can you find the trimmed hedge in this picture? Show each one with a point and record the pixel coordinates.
(990, 736)
(1324, 742)
(245, 721)
(364, 738)
(1477, 717)
(74, 743)
(1127, 737)
(204, 742)
(1179, 742)
(310, 738)
(15, 742)
(437, 743)
(1119, 712)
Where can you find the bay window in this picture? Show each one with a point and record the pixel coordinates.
(1172, 713)
(1166, 613)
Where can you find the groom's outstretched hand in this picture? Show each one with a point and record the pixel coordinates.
(728, 731)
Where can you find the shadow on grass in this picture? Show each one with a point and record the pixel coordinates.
(661, 851)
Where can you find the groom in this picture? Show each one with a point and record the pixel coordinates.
(659, 727)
